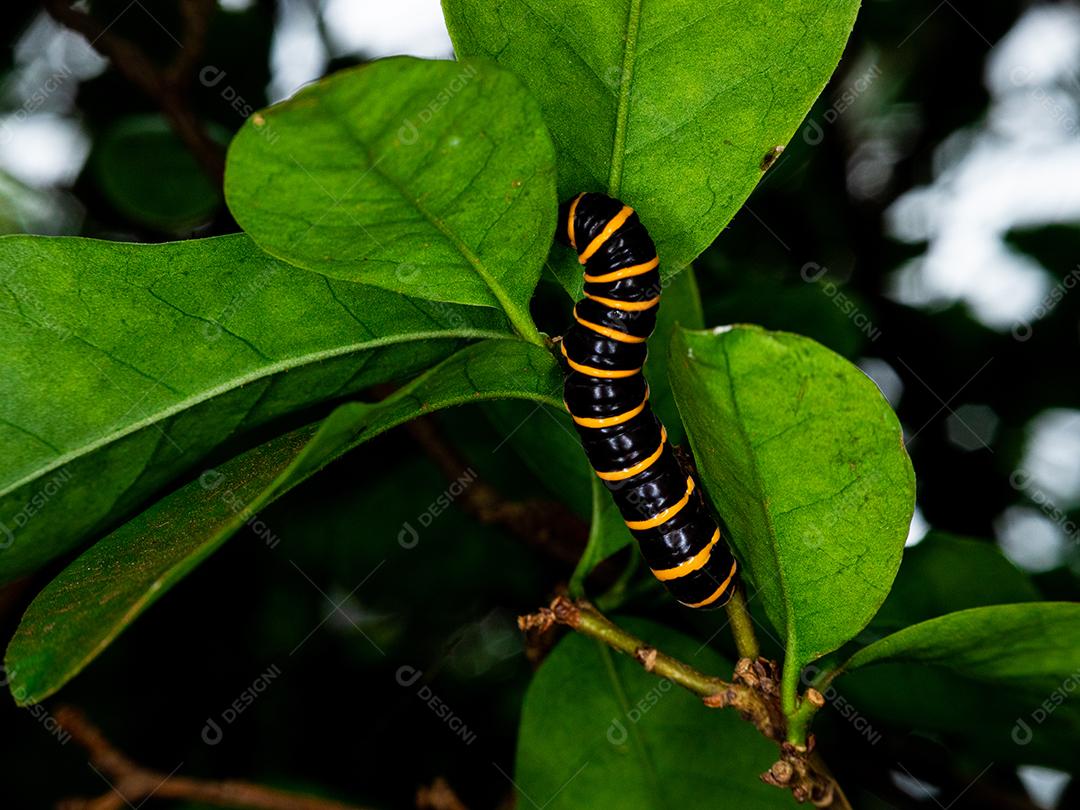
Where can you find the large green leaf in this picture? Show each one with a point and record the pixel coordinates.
(598, 731)
(1005, 674)
(671, 105)
(945, 573)
(1035, 644)
(99, 594)
(436, 179)
(804, 461)
(124, 365)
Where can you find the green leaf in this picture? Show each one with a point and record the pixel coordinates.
(435, 179)
(1003, 723)
(598, 731)
(99, 594)
(942, 574)
(667, 105)
(150, 177)
(1035, 644)
(680, 306)
(945, 573)
(124, 365)
(1002, 673)
(543, 437)
(804, 461)
(607, 535)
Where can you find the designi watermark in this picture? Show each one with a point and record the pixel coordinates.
(35, 504)
(812, 273)
(212, 732)
(212, 480)
(409, 132)
(409, 537)
(408, 676)
(617, 733)
(1022, 732)
(35, 710)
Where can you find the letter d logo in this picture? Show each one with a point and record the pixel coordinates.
(616, 733)
(212, 733)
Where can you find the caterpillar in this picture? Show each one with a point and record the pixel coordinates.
(607, 396)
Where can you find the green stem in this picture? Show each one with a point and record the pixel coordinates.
(789, 687)
(753, 703)
(586, 620)
(523, 325)
(827, 674)
(799, 721)
(799, 716)
(742, 626)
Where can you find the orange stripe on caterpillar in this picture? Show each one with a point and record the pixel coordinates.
(607, 331)
(665, 514)
(626, 272)
(602, 373)
(640, 467)
(570, 220)
(689, 566)
(625, 306)
(610, 421)
(613, 225)
(715, 594)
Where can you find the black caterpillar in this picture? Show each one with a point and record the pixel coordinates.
(608, 398)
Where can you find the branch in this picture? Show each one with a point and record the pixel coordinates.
(132, 784)
(439, 796)
(742, 626)
(753, 692)
(196, 16)
(167, 88)
(547, 525)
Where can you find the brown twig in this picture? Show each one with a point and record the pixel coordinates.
(133, 784)
(754, 692)
(166, 87)
(544, 524)
(439, 796)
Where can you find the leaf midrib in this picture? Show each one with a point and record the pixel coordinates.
(622, 114)
(789, 628)
(521, 321)
(234, 383)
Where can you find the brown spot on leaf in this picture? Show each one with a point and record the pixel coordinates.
(771, 157)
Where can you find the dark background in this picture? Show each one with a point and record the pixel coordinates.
(983, 387)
